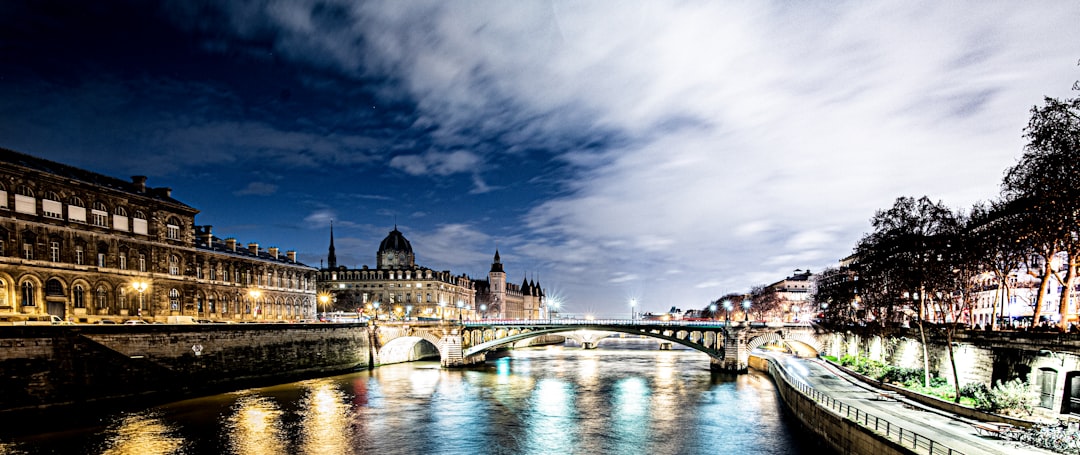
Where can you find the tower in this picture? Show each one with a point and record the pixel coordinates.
(497, 281)
(331, 259)
(395, 252)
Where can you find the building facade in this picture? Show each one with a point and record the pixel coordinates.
(398, 288)
(88, 247)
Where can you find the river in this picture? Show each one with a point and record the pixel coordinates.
(624, 398)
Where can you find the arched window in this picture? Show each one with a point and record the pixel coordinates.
(77, 296)
(51, 205)
(28, 294)
(3, 292)
(54, 288)
(211, 308)
(121, 298)
(101, 298)
(174, 300)
(76, 209)
(24, 200)
(172, 228)
(99, 215)
(138, 223)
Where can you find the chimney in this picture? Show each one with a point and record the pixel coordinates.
(273, 251)
(230, 243)
(291, 255)
(253, 248)
(139, 182)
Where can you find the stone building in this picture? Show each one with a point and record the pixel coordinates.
(88, 247)
(399, 288)
(794, 294)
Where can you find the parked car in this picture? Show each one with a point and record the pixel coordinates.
(105, 321)
(134, 322)
(204, 321)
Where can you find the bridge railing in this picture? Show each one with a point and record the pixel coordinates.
(906, 438)
(623, 322)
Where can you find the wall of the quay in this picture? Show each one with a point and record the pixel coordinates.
(49, 368)
(843, 435)
(1048, 362)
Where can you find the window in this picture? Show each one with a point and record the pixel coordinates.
(174, 299)
(101, 259)
(142, 263)
(54, 288)
(120, 219)
(213, 273)
(174, 265)
(138, 223)
(123, 260)
(121, 298)
(76, 209)
(28, 251)
(198, 271)
(3, 197)
(51, 206)
(99, 216)
(100, 299)
(79, 254)
(24, 200)
(54, 251)
(28, 294)
(172, 228)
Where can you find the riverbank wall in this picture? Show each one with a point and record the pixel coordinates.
(50, 369)
(841, 433)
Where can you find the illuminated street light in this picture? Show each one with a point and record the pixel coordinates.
(746, 309)
(324, 299)
(483, 311)
(460, 305)
(254, 293)
(633, 303)
(712, 310)
(553, 306)
(141, 287)
(376, 305)
(727, 312)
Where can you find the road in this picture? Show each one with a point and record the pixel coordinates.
(944, 428)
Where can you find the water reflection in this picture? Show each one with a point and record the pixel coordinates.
(141, 433)
(630, 398)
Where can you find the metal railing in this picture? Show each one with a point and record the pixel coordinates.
(624, 322)
(905, 438)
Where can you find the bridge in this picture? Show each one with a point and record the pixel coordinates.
(462, 343)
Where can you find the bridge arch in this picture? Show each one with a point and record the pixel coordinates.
(802, 343)
(409, 349)
(713, 349)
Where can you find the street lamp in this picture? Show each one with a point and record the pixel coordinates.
(408, 309)
(141, 287)
(254, 302)
(746, 309)
(324, 299)
(712, 310)
(376, 306)
(483, 311)
(633, 303)
(552, 308)
(460, 305)
(727, 312)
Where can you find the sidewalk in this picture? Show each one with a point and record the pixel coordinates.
(950, 430)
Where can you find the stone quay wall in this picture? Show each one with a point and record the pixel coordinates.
(842, 434)
(51, 368)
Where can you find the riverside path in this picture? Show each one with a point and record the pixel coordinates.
(949, 430)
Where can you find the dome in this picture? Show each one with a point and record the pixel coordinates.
(396, 242)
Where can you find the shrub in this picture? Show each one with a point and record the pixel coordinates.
(1013, 396)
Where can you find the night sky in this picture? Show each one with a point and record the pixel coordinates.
(669, 152)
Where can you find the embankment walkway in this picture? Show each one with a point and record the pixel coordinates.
(929, 430)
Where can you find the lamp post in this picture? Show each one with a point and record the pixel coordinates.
(324, 299)
(746, 309)
(727, 312)
(460, 306)
(254, 302)
(552, 308)
(633, 303)
(483, 311)
(140, 286)
(712, 310)
(376, 306)
(442, 310)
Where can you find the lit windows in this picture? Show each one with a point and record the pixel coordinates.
(79, 255)
(174, 299)
(172, 228)
(123, 260)
(28, 294)
(99, 215)
(174, 265)
(54, 251)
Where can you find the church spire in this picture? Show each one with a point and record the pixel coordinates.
(331, 259)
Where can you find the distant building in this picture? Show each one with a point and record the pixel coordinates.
(87, 247)
(399, 288)
(794, 294)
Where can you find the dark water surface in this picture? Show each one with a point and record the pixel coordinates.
(624, 398)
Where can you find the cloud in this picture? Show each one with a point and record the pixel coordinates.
(437, 163)
(257, 189)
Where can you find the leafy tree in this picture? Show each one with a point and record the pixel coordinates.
(993, 233)
(834, 292)
(1046, 183)
(903, 262)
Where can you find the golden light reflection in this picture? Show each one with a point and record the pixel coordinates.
(255, 427)
(140, 434)
(324, 421)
